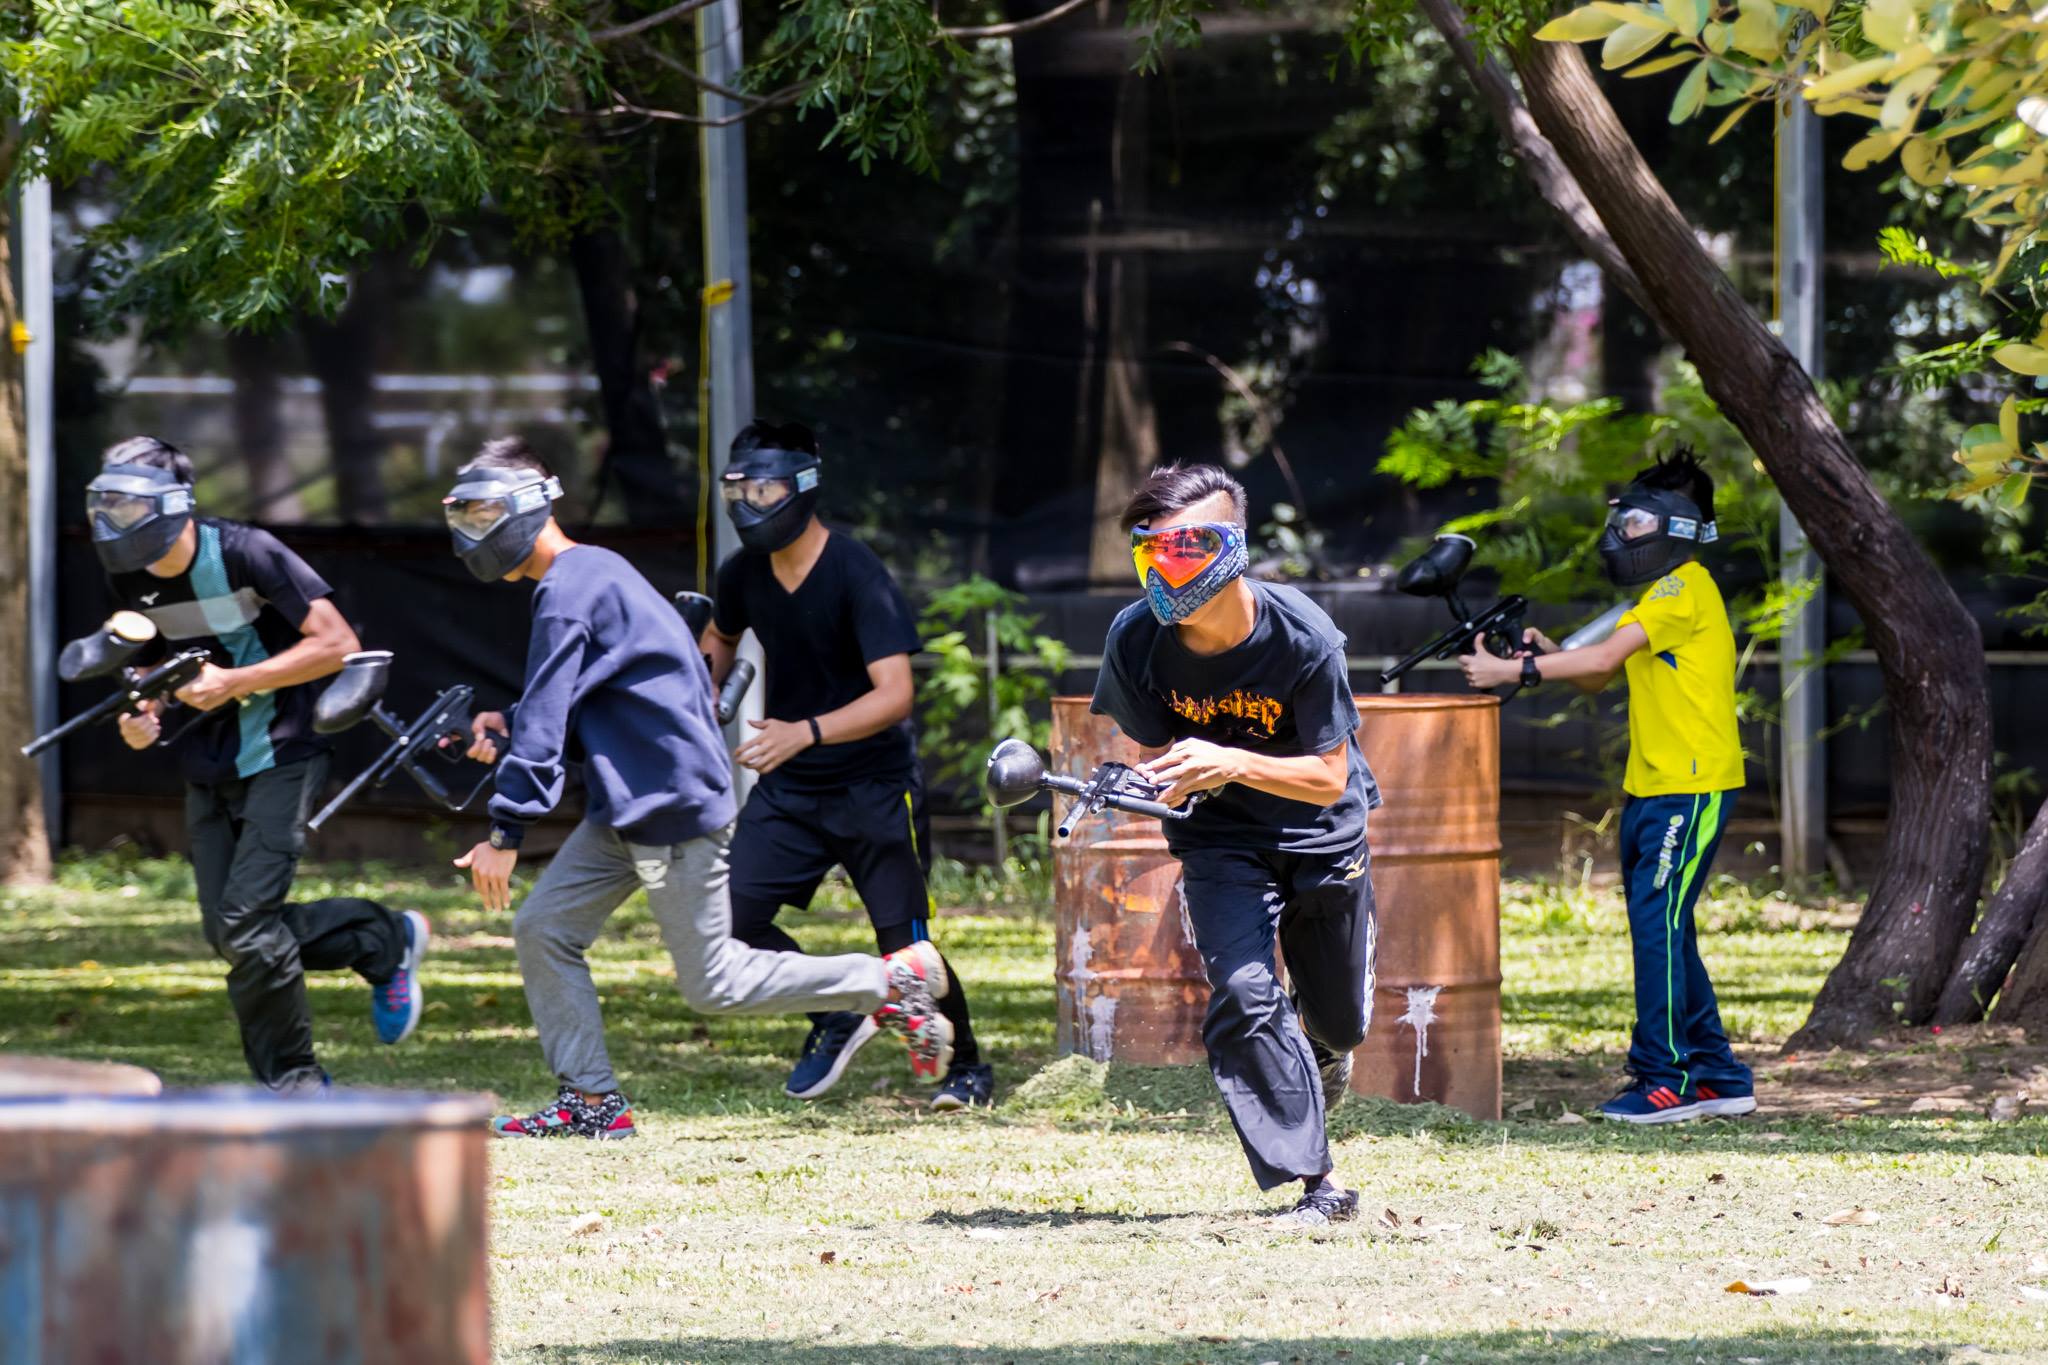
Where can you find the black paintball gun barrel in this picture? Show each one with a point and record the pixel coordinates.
(107, 651)
(1436, 572)
(1016, 773)
(696, 610)
(441, 730)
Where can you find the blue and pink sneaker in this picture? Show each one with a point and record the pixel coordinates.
(1646, 1103)
(395, 1005)
(1725, 1099)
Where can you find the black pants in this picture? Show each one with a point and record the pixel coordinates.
(1320, 908)
(246, 836)
(786, 841)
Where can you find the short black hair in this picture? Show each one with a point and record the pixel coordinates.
(1681, 472)
(151, 451)
(507, 452)
(1172, 487)
(764, 434)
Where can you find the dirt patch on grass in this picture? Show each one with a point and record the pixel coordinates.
(1963, 1071)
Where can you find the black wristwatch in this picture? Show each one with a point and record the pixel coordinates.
(1530, 676)
(498, 839)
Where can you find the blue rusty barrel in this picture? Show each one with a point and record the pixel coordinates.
(226, 1226)
(1130, 983)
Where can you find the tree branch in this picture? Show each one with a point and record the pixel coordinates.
(1011, 30)
(1539, 159)
(647, 21)
(623, 107)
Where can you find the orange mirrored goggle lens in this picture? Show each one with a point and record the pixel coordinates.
(1177, 554)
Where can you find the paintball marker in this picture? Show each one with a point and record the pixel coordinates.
(696, 610)
(442, 730)
(1016, 773)
(108, 650)
(1435, 573)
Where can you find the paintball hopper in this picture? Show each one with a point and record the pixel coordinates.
(1015, 773)
(696, 610)
(1436, 571)
(354, 692)
(107, 649)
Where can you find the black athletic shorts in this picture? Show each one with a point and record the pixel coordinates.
(879, 831)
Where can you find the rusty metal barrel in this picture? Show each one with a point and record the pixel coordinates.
(1130, 983)
(228, 1226)
(29, 1077)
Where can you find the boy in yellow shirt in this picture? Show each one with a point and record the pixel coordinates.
(1684, 771)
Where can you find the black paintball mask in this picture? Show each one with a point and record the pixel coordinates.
(1650, 532)
(496, 515)
(137, 513)
(770, 494)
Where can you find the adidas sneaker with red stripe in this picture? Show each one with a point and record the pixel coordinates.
(1646, 1103)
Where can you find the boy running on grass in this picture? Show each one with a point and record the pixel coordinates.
(840, 782)
(1239, 689)
(611, 672)
(1684, 773)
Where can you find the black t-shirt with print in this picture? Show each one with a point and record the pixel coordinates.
(243, 598)
(1283, 691)
(817, 643)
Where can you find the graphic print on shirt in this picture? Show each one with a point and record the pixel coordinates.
(1244, 715)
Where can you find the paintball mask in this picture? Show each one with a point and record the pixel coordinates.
(1183, 567)
(770, 495)
(137, 513)
(495, 516)
(1650, 532)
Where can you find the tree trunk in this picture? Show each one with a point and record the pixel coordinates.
(1928, 648)
(259, 427)
(343, 353)
(2014, 912)
(24, 842)
(2024, 1000)
(1130, 424)
(636, 457)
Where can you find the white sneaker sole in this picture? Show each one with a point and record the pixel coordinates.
(1734, 1106)
(1677, 1113)
(422, 934)
(862, 1036)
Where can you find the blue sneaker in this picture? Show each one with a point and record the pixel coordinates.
(1646, 1103)
(966, 1087)
(395, 1005)
(827, 1052)
(1725, 1099)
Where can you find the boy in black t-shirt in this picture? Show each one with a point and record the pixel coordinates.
(840, 781)
(251, 760)
(1239, 689)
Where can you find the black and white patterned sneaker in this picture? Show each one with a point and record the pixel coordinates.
(609, 1119)
(1320, 1209)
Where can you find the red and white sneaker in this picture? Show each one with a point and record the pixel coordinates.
(571, 1115)
(930, 1037)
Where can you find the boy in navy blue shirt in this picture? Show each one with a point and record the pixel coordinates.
(612, 670)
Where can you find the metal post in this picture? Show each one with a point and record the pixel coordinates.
(994, 647)
(731, 330)
(39, 370)
(1802, 682)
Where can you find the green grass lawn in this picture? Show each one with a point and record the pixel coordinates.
(1106, 1214)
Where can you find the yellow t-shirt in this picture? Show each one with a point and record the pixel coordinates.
(1681, 690)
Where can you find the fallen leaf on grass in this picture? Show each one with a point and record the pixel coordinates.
(1525, 1107)
(1567, 1116)
(2006, 1108)
(1851, 1218)
(588, 1223)
(1764, 1289)
(827, 1257)
(1717, 1179)
(2028, 1291)
(1389, 1219)
(1215, 1341)
(1773, 1137)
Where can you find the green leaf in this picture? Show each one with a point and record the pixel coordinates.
(2021, 358)
(1692, 93)
(1689, 15)
(1626, 44)
(1580, 26)
(2012, 494)
(1661, 64)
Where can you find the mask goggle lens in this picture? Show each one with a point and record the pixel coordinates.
(122, 510)
(475, 517)
(1633, 522)
(760, 494)
(1177, 553)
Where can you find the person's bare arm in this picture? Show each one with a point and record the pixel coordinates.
(885, 703)
(1196, 765)
(325, 639)
(720, 651)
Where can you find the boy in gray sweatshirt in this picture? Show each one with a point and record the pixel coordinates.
(612, 670)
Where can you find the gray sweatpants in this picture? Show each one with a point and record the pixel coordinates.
(686, 889)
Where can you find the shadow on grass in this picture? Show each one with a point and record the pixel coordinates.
(1498, 1348)
(1054, 1218)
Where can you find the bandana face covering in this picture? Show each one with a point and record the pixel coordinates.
(1183, 567)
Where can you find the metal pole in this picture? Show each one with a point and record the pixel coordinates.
(39, 370)
(994, 647)
(731, 330)
(1802, 682)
